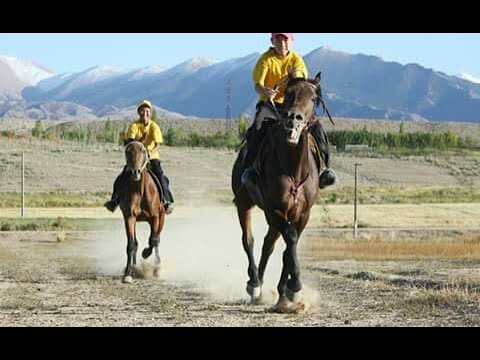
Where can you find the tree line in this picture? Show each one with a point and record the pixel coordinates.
(114, 132)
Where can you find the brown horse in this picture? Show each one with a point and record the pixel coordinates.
(141, 200)
(286, 191)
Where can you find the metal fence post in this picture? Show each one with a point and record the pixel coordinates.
(355, 218)
(23, 184)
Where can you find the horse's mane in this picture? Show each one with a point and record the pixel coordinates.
(127, 141)
(294, 81)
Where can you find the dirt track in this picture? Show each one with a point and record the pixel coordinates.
(77, 282)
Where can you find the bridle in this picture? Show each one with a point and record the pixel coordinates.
(146, 157)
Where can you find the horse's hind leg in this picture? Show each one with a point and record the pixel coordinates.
(253, 284)
(131, 249)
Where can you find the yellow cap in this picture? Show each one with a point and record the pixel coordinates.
(144, 103)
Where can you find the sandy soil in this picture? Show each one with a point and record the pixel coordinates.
(47, 280)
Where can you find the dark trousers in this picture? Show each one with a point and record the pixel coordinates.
(156, 167)
(321, 138)
(255, 137)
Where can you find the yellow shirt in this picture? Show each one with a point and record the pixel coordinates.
(149, 135)
(271, 69)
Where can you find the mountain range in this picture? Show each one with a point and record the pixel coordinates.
(354, 85)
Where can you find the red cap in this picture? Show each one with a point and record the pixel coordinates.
(289, 36)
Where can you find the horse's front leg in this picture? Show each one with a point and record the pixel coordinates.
(289, 285)
(130, 223)
(154, 239)
(268, 245)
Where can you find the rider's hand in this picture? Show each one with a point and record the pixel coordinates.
(270, 93)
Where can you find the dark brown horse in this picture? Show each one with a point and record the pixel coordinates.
(286, 190)
(141, 200)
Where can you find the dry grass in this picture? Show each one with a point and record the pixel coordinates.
(404, 215)
(452, 300)
(466, 248)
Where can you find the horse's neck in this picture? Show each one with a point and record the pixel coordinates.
(294, 159)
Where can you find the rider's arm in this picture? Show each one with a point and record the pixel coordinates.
(265, 91)
(299, 68)
(131, 132)
(157, 137)
(155, 149)
(259, 75)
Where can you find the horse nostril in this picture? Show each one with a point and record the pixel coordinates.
(299, 117)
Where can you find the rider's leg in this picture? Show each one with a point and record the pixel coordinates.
(113, 203)
(255, 137)
(327, 177)
(156, 167)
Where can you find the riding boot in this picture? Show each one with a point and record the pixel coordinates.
(327, 177)
(113, 203)
(164, 181)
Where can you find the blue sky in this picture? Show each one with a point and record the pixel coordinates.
(450, 53)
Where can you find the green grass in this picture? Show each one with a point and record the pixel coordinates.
(337, 195)
(403, 195)
(54, 199)
(402, 152)
(42, 224)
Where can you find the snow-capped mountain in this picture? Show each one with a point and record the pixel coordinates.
(145, 72)
(469, 77)
(86, 78)
(25, 70)
(54, 81)
(16, 74)
(191, 65)
(354, 85)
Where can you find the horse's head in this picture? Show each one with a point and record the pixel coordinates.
(137, 159)
(302, 96)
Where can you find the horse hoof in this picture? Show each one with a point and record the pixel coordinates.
(127, 279)
(281, 307)
(254, 292)
(293, 296)
(146, 253)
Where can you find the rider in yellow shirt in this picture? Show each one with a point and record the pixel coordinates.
(271, 69)
(147, 132)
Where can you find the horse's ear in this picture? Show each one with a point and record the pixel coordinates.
(318, 78)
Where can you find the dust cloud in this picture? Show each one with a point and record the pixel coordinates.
(200, 248)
